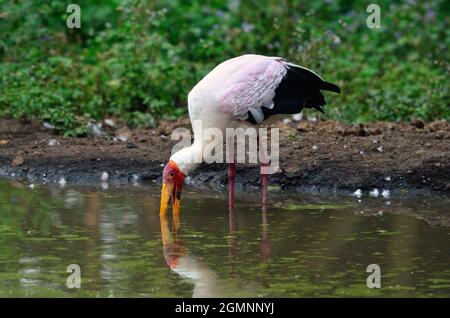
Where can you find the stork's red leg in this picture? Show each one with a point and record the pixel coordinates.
(231, 174)
(264, 170)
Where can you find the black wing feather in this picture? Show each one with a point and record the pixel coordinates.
(299, 88)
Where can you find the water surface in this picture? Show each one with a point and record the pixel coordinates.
(302, 245)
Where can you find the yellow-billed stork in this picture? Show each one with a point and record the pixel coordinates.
(242, 91)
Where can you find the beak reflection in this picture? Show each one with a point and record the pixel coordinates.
(173, 247)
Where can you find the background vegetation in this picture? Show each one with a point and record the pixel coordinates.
(137, 60)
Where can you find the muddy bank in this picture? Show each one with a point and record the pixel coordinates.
(315, 156)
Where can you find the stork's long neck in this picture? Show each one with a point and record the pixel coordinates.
(203, 115)
(189, 158)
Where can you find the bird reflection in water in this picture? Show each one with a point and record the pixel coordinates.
(187, 266)
(173, 246)
(204, 279)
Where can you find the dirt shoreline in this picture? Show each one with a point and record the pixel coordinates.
(315, 156)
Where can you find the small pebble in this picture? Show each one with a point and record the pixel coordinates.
(96, 129)
(386, 193)
(52, 142)
(110, 122)
(49, 126)
(357, 193)
(135, 180)
(374, 193)
(62, 182)
(297, 117)
(105, 176)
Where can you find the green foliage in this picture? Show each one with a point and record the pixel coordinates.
(137, 60)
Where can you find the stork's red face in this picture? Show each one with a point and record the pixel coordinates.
(173, 180)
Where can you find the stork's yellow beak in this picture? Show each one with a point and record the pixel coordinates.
(176, 202)
(166, 195)
(170, 192)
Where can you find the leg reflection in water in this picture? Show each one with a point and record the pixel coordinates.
(203, 278)
(265, 244)
(232, 241)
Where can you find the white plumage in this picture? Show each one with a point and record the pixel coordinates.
(253, 85)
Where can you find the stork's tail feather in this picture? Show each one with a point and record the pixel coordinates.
(312, 79)
(330, 87)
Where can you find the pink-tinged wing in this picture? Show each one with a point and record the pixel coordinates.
(253, 86)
